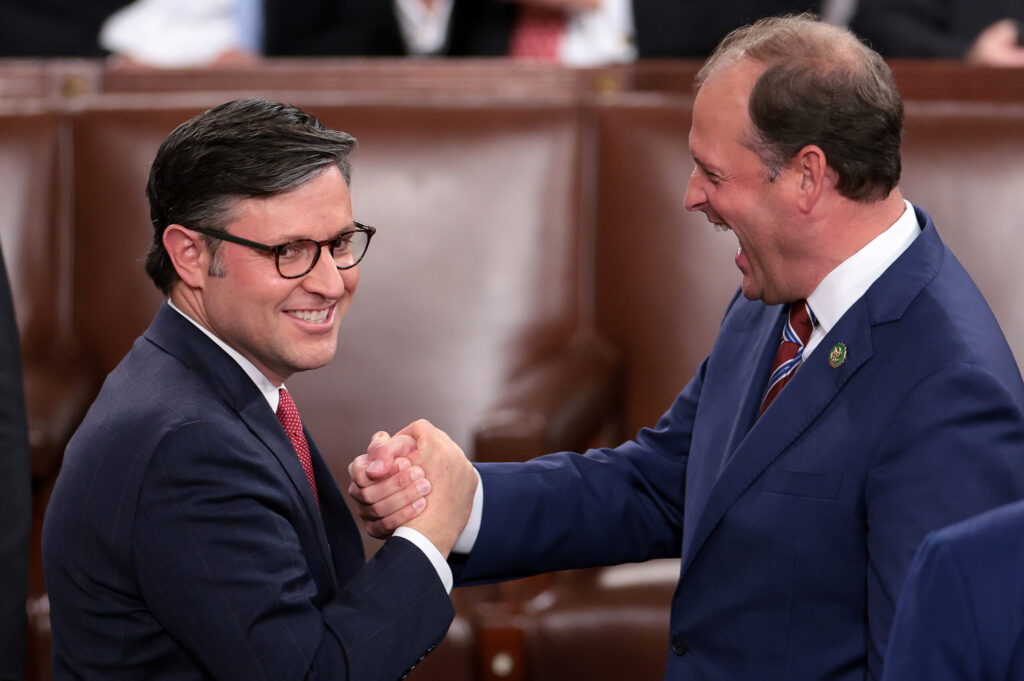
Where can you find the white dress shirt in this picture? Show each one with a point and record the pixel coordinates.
(844, 285)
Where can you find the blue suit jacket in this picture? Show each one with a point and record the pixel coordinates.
(182, 540)
(795, 529)
(961, 614)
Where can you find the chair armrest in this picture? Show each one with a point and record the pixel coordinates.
(561, 403)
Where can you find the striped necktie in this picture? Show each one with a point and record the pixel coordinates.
(795, 335)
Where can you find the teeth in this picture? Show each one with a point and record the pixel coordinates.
(315, 316)
(739, 250)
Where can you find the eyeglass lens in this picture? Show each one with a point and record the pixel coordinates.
(296, 258)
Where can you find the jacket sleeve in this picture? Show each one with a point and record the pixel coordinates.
(226, 559)
(604, 507)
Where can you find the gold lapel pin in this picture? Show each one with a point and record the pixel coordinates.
(837, 356)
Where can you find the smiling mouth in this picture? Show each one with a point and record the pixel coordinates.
(312, 316)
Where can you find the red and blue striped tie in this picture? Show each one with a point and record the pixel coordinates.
(795, 335)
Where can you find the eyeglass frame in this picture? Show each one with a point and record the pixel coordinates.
(277, 248)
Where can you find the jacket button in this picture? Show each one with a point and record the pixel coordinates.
(679, 646)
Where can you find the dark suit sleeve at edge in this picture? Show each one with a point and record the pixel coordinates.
(15, 493)
(934, 637)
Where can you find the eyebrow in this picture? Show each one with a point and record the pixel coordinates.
(710, 170)
(344, 230)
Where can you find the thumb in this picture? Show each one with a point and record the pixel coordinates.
(379, 458)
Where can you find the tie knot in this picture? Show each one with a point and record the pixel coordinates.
(285, 404)
(801, 323)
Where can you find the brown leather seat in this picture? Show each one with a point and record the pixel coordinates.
(58, 385)
(964, 164)
(666, 275)
(663, 280)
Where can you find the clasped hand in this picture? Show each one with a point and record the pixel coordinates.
(391, 484)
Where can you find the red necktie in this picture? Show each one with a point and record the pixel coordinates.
(288, 415)
(538, 32)
(795, 335)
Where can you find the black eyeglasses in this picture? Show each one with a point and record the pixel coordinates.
(296, 259)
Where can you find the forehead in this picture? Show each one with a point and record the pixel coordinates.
(318, 208)
(720, 114)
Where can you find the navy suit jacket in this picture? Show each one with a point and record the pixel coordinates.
(183, 541)
(796, 529)
(961, 614)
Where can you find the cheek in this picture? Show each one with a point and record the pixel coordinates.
(351, 279)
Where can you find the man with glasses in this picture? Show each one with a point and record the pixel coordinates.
(195, 531)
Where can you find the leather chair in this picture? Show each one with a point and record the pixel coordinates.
(964, 164)
(407, 77)
(37, 245)
(666, 274)
(663, 280)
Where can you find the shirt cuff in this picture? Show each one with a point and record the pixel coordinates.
(444, 572)
(466, 540)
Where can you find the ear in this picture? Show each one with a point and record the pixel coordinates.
(812, 168)
(188, 253)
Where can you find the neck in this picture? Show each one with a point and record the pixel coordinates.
(843, 227)
(186, 300)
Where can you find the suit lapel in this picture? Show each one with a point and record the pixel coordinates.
(744, 352)
(745, 455)
(179, 337)
(804, 398)
(258, 416)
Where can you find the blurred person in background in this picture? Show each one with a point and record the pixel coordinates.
(53, 28)
(602, 31)
(984, 32)
(570, 32)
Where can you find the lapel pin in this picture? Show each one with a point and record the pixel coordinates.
(837, 356)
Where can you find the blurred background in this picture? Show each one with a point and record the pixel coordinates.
(524, 163)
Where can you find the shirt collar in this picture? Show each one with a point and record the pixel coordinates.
(268, 389)
(844, 285)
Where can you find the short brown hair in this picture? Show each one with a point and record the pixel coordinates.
(246, 148)
(821, 86)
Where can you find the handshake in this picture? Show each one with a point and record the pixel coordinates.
(391, 482)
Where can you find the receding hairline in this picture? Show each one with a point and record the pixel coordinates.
(771, 42)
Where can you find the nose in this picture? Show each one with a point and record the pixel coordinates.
(695, 197)
(325, 278)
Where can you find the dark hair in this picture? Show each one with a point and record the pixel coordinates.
(242, 149)
(821, 86)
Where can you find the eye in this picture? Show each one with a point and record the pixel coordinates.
(292, 251)
(711, 177)
(342, 243)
